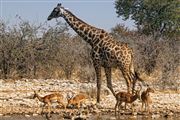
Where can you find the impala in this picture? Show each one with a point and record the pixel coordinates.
(49, 99)
(76, 100)
(146, 99)
(126, 98)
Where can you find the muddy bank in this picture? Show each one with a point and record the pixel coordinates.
(16, 96)
(102, 116)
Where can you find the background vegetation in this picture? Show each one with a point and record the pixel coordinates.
(43, 51)
(152, 17)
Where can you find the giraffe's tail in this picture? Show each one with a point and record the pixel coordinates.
(136, 77)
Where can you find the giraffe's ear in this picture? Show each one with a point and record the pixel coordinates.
(59, 5)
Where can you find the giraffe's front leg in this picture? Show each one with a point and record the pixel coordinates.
(98, 78)
(108, 77)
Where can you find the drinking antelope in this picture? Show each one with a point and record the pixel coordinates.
(76, 100)
(146, 99)
(49, 99)
(126, 98)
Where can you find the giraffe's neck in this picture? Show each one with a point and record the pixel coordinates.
(86, 31)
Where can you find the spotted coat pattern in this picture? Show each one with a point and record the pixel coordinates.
(106, 52)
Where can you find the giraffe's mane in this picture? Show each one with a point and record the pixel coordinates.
(69, 12)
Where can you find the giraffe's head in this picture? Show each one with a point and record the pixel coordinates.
(57, 12)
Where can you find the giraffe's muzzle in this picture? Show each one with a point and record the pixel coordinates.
(49, 18)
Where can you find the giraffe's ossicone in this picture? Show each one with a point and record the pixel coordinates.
(106, 51)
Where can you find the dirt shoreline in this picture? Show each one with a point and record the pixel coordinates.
(101, 116)
(16, 96)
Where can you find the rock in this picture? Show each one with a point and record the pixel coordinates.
(155, 116)
(110, 110)
(96, 111)
(133, 117)
(34, 114)
(99, 106)
(168, 114)
(78, 118)
(27, 115)
(112, 118)
(134, 113)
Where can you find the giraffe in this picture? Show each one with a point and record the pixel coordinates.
(106, 52)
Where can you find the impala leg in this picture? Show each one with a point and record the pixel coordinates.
(78, 105)
(148, 109)
(132, 106)
(142, 106)
(49, 109)
(116, 107)
(119, 107)
(43, 108)
(125, 105)
(146, 106)
(61, 104)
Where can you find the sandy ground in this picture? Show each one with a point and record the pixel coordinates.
(16, 97)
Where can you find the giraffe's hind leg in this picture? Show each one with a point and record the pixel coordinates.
(128, 79)
(108, 77)
(133, 85)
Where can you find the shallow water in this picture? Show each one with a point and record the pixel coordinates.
(138, 117)
(108, 116)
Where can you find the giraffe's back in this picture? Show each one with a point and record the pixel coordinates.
(114, 53)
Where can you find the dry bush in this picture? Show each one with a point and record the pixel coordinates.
(42, 51)
(39, 51)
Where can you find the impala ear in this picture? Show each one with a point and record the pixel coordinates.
(68, 97)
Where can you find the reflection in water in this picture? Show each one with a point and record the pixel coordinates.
(136, 117)
(107, 116)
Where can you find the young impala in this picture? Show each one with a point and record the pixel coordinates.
(126, 98)
(76, 100)
(49, 99)
(146, 99)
